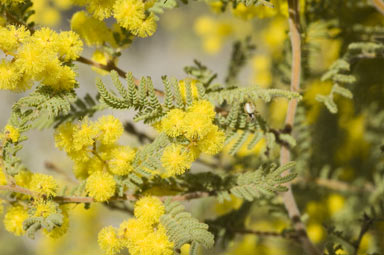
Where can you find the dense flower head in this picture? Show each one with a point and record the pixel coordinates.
(121, 159)
(213, 142)
(40, 57)
(173, 123)
(11, 37)
(44, 208)
(101, 186)
(91, 30)
(149, 209)
(23, 178)
(43, 184)
(108, 241)
(110, 129)
(176, 159)
(12, 133)
(129, 13)
(100, 9)
(204, 108)
(196, 126)
(14, 218)
(147, 27)
(143, 234)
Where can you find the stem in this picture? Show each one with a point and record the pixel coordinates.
(379, 5)
(72, 199)
(285, 155)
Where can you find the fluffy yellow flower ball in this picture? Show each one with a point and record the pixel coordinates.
(173, 124)
(110, 129)
(101, 186)
(176, 160)
(204, 108)
(213, 142)
(121, 159)
(14, 218)
(196, 126)
(108, 241)
(43, 184)
(44, 208)
(134, 229)
(149, 209)
(129, 13)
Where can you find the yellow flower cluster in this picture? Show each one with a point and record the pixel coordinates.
(133, 15)
(47, 12)
(196, 126)
(14, 218)
(39, 57)
(143, 235)
(11, 133)
(213, 33)
(43, 184)
(97, 155)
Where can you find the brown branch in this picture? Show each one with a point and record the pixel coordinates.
(285, 155)
(75, 199)
(109, 67)
(379, 5)
(334, 184)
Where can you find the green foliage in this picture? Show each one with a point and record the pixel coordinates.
(251, 185)
(182, 228)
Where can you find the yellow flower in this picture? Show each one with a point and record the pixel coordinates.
(129, 13)
(84, 135)
(134, 229)
(43, 184)
(108, 241)
(64, 136)
(23, 178)
(101, 186)
(315, 232)
(11, 77)
(213, 142)
(121, 159)
(173, 123)
(156, 243)
(12, 133)
(204, 108)
(196, 126)
(70, 45)
(335, 203)
(100, 9)
(176, 160)
(11, 37)
(149, 209)
(110, 129)
(147, 27)
(44, 208)
(91, 30)
(14, 218)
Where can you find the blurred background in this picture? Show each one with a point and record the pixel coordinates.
(199, 31)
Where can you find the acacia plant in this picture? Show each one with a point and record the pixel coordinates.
(315, 179)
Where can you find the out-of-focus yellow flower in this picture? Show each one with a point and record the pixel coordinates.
(315, 232)
(213, 32)
(312, 90)
(261, 66)
(228, 205)
(275, 34)
(335, 203)
(278, 111)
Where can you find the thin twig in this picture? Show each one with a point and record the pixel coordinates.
(285, 155)
(75, 199)
(291, 235)
(379, 5)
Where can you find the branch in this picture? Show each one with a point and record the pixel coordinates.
(285, 155)
(289, 235)
(379, 5)
(74, 199)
